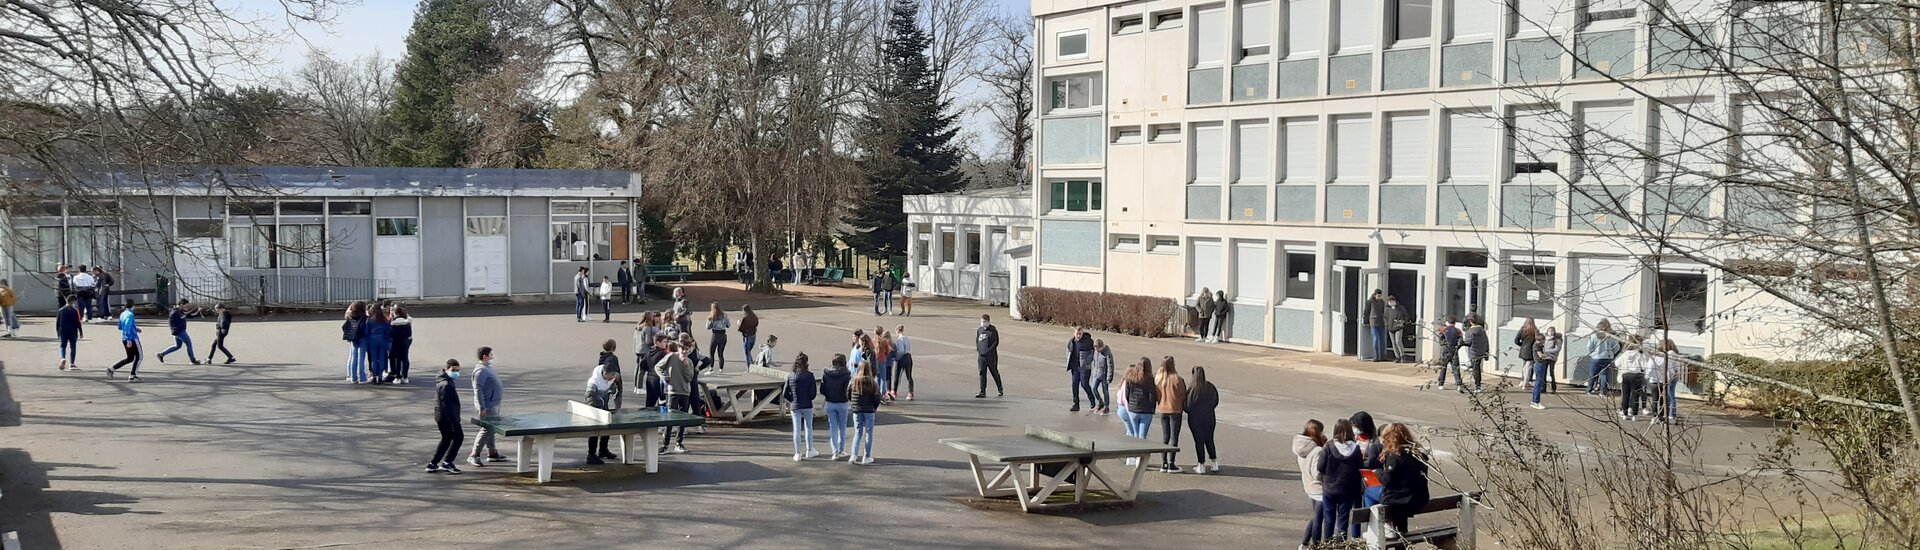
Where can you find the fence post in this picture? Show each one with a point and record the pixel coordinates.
(263, 291)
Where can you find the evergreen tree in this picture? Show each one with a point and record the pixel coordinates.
(908, 137)
(451, 44)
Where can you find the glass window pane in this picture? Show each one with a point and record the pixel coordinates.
(301, 208)
(609, 208)
(1531, 292)
(564, 208)
(1093, 195)
(1073, 44)
(1683, 302)
(1413, 19)
(352, 208)
(562, 244)
(1076, 196)
(1058, 198)
(1299, 276)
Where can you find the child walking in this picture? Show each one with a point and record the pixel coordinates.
(799, 393)
(866, 401)
(446, 416)
(222, 322)
(68, 326)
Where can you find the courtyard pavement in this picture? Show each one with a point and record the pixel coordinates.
(277, 451)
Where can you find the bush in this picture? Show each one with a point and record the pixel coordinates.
(1123, 313)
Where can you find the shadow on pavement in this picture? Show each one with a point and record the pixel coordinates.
(1177, 505)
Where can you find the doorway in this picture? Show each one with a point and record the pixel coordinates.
(486, 256)
(1465, 295)
(1346, 292)
(1406, 288)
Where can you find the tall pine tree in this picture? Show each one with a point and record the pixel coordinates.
(908, 137)
(451, 44)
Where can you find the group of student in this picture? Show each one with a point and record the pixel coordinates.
(584, 289)
(380, 342)
(1649, 369)
(88, 291)
(1357, 468)
(886, 282)
(1210, 311)
(69, 327)
(487, 393)
(1146, 393)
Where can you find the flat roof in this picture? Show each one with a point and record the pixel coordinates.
(321, 180)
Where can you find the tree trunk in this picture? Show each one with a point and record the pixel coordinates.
(762, 280)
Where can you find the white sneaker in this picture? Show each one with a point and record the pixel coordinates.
(853, 460)
(1202, 339)
(867, 460)
(1214, 467)
(812, 453)
(1538, 406)
(1201, 469)
(796, 458)
(677, 448)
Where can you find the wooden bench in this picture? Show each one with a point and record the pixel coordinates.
(746, 395)
(1458, 536)
(675, 272)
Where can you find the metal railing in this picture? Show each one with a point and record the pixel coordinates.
(272, 290)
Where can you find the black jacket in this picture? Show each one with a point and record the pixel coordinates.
(1080, 352)
(224, 320)
(1142, 398)
(987, 341)
(177, 320)
(353, 329)
(645, 368)
(67, 322)
(624, 276)
(836, 385)
(446, 401)
(1340, 473)
(607, 358)
(1202, 399)
(1527, 345)
(800, 391)
(866, 402)
(1403, 482)
(1375, 313)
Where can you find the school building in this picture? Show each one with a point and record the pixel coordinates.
(327, 235)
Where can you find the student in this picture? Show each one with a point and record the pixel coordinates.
(902, 362)
(1339, 474)
(104, 284)
(1142, 398)
(130, 340)
(1102, 376)
(7, 316)
(1528, 342)
(986, 341)
(580, 295)
(1545, 356)
(68, 326)
(177, 323)
(1633, 378)
(603, 392)
(1221, 309)
(836, 387)
(1172, 390)
(1397, 318)
(717, 324)
(682, 312)
(354, 330)
(882, 360)
(1666, 360)
(676, 370)
(83, 293)
(486, 403)
(446, 415)
(1375, 317)
(1203, 314)
(1602, 348)
(378, 342)
(625, 277)
(1202, 399)
(1370, 447)
(1307, 448)
(222, 322)
(63, 284)
(1450, 337)
(906, 296)
(749, 330)
(855, 355)
(1481, 348)
(882, 297)
(768, 358)
(1403, 476)
(606, 299)
(1080, 366)
(799, 392)
(400, 358)
(866, 401)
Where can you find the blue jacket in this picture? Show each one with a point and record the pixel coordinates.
(129, 332)
(378, 330)
(486, 388)
(177, 320)
(67, 323)
(801, 389)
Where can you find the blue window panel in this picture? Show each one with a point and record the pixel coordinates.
(1405, 69)
(1070, 242)
(1466, 65)
(1403, 204)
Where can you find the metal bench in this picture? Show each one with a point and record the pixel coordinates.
(1458, 536)
(674, 272)
(1053, 458)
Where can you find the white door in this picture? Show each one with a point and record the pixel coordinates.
(396, 265)
(200, 278)
(486, 264)
(1342, 311)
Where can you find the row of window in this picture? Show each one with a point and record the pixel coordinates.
(948, 242)
(575, 241)
(272, 246)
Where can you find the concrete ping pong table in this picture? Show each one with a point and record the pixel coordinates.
(540, 430)
(745, 395)
(1073, 456)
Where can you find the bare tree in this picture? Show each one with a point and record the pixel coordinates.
(348, 98)
(959, 30)
(1008, 73)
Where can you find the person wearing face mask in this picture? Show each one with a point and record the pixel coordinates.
(486, 402)
(446, 415)
(986, 341)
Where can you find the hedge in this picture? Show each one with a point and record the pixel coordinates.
(1147, 316)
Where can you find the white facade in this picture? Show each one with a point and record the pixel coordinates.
(1300, 153)
(970, 244)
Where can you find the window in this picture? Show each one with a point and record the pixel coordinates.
(604, 235)
(486, 225)
(350, 208)
(1765, 143)
(1607, 10)
(610, 208)
(74, 245)
(1528, 143)
(570, 241)
(1535, 16)
(1407, 148)
(1356, 27)
(1412, 19)
(946, 247)
(1129, 25)
(301, 245)
(1170, 19)
(1303, 150)
(973, 248)
(1682, 302)
(48, 243)
(1256, 30)
(1075, 195)
(1250, 153)
(1469, 146)
(1070, 45)
(302, 208)
(1473, 19)
(238, 209)
(199, 229)
(396, 227)
(1208, 152)
(1126, 242)
(82, 242)
(250, 246)
(925, 247)
(1126, 135)
(1352, 149)
(1299, 276)
(52, 209)
(1531, 292)
(1250, 265)
(1305, 28)
(1165, 133)
(1165, 245)
(1608, 143)
(1210, 36)
(1080, 91)
(568, 208)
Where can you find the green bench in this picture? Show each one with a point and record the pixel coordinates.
(674, 272)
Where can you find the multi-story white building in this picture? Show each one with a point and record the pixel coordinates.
(1299, 154)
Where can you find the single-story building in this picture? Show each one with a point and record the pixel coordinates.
(971, 244)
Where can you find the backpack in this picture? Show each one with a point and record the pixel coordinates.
(350, 330)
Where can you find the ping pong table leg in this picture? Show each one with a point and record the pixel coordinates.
(1139, 470)
(521, 451)
(1080, 471)
(1020, 489)
(546, 458)
(653, 450)
(626, 448)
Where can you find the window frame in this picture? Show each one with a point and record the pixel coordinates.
(1096, 93)
(1086, 45)
(1244, 48)
(215, 228)
(1664, 317)
(1126, 135)
(1061, 191)
(1395, 25)
(1129, 24)
(411, 229)
(1157, 133)
(1166, 19)
(1155, 245)
(1291, 282)
(1126, 243)
(575, 230)
(1515, 304)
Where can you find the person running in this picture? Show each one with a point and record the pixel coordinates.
(177, 323)
(1202, 399)
(625, 278)
(68, 326)
(222, 323)
(130, 340)
(1173, 400)
(866, 401)
(83, 284)
(446, 415)
(1602, 348)
(379, 342)
(717, 324)
(1222, 308)
(677, 371)
(986, 341)
(799, 392)
(354, 330)
(580, 292)
(1403, 476)
(1102, 376)
(836, 387)
(400, 357)
(1340, 483)
(606, 299)
(902, 362)
(487, 394)
(1307, 448)
(906, 295)
(749, 330)
(1545, 356)
(1480, 346)
(1142, 398)
(883, 361)
(1527, 341)
(1080, 366)
(7, 315)
(603, 392)
(1203, 314)
(1375, 317)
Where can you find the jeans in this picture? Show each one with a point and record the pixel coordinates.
(1334, 519)
(1601, 377)
(1081, 383)
(1396, 342)
(101, 308)
(863, 434)
(450, 438)
(606, 310)
(1477, 360)
(1314, 534)
(219, 346)
(1379, 342)
(746, 348)
(181, 341)
(580, 307)
(1539, 369)
(1631, 384)
(802, 430)
(357, 362)
(882, 303)
(13, 321)
(883, 373)
(682, 404)
(1101, 394)
(85, 304)
(377, 351)
(1170, 435)
(1672, 391)
(837, 418)
(1451, 361)
(1139, 424)
(70, 350)
(400, 360)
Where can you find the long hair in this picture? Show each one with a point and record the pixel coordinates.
(1397, 439)
(1167, 368)
(1528, 330)
(800, 363)
(357, 309)
(1199, 377)
(1138, 374)
(1315, 431)
(746, 312)
(714, 313)
(1343, 430)
(866, 382)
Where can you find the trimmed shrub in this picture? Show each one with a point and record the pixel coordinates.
(1123, 313)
